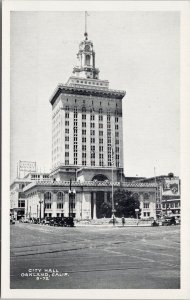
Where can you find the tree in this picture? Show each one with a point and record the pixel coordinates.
(105, 209)
(125, 203)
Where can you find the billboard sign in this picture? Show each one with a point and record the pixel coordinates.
(171, 187)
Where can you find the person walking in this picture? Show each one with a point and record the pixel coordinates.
(123, 220)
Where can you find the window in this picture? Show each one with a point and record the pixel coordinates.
(67, 138)
(92, 163)
(84, 140)
(67, 108)
(66, 130)
(84, 162)
(101, 163)
(66, 162)
(100, 125)
(83, 155)
(100, 141)
(101, 148)
(100, 133)
(66, 115)
(116, 149)
(59, 205)
(47, 196)
(116, 126)
(84, 147)
(21, 203)
(146, 205)
(117, 134)
(48, 205)
(116, 142)
(92, 140)
(75, 130)
(83, 117)
(92, 132)
(92, 117)
(66, 123)
(83, 124)
(146, 196)
(84, 131)
(66, 154)
(83, 108)
(92, 125)
(75, 161)
(100, 118)
(66, 146)
(100, 110)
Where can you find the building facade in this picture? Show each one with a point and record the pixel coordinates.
(87, 149)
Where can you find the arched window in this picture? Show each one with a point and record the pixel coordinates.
(47, 196)
(146, 196)
(136, 196)
(60, 196)
(87, 60)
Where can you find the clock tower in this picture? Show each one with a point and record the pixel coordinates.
(86, 60)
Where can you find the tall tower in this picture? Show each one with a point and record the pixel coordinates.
(86, 122)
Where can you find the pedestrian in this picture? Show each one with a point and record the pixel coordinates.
(113, 221)
(123, 220)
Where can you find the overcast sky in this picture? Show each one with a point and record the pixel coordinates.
(136, 51)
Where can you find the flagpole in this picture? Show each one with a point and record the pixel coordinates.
(156, 185)
(113, 210)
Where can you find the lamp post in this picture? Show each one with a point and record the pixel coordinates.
(41, 201)
(71, 198)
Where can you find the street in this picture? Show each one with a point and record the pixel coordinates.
(95, 257)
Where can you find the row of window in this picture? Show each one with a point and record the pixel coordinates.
(92, 118)
(59, 205)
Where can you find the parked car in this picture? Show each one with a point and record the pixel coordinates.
(12, 222)
(69, 222)
(62, 221)
(47, 220)
(168, 221)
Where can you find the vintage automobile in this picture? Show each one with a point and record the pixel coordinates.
(62, 221)
(168, 221)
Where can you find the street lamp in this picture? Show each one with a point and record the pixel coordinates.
(41, 201)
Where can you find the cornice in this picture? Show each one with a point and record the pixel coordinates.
(73, 90)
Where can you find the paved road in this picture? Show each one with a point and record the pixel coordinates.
(95, 257)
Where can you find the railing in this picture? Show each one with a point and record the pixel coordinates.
(74, 183)
(88, 183)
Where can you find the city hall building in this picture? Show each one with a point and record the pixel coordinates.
(87, 150)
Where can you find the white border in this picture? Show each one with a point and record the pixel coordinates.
(184, 8)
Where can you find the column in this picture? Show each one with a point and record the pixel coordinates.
(54, 204)
(141, 198)
(105, 197)
(41, 204)
(66, 205)
(94, 203)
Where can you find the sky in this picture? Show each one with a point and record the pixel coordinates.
(137, 51)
